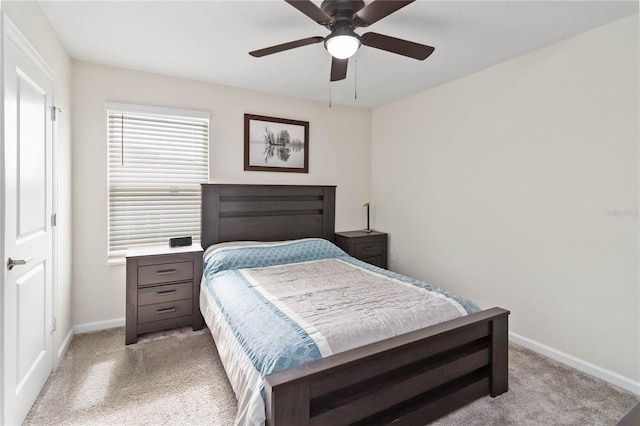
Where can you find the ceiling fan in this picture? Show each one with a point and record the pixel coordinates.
(342, 17)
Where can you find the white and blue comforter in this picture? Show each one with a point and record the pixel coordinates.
(274, 306)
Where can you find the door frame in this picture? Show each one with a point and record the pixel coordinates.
(10, 30)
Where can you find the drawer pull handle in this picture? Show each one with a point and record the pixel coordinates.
(166, 271)
(369, 248)
(166, 292)
(165, 310)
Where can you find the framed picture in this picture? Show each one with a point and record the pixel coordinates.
(275, 144)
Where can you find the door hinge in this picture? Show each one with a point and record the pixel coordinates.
(54, 112)
(54, 324)
(54, 219)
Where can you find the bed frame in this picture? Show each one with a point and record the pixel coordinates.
(410, 379)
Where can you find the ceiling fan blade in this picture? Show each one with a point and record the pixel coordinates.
(338, 69)
(378, 9)
(397, 45)
(286, 46)
(311, 10)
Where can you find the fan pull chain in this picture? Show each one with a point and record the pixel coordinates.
(329, 94)
(355, 86)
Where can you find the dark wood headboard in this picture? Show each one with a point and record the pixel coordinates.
(266, 212)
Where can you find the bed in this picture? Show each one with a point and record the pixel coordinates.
(416, 370)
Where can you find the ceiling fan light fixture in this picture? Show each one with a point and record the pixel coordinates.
(342, 46)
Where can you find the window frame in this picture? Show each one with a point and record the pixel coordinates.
(118, 256)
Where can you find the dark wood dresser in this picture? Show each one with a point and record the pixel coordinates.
(163, 286)
(370, 247)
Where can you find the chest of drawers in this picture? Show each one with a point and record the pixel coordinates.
(163, 286)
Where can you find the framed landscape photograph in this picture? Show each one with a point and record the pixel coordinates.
(274, 144)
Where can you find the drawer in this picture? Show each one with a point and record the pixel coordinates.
(163, 311)
(165, 273)
(164, 293)
(370, 249)
(377, 261)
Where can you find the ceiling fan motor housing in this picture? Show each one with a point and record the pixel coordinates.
(342, 11)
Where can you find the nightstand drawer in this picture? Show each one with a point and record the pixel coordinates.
(377, 261)
(162, 311)
(370, 249)
(165, 273)
(164, 293)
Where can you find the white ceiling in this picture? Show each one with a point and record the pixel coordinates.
(210, 41)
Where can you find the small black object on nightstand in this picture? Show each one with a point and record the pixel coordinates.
(180, 242)
(370, 247)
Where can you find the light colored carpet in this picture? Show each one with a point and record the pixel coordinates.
(176, 378)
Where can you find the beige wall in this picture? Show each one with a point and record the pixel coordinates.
(339, 155)
(517, 187)
(32, 23)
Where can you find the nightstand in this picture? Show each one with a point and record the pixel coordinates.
(370, 247)
(163, 287)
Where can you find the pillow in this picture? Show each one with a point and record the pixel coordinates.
(221, 257)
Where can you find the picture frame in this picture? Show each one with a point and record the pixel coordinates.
(273, 144)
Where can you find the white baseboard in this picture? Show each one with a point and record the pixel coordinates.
(65, 345)
(577, 363)
(88, 327)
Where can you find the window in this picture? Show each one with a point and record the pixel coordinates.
(157, 158)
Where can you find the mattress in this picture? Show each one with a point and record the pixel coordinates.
(272, 306)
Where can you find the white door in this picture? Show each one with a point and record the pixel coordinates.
(27, 350)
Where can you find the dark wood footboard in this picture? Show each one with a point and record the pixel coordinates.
(409, 379)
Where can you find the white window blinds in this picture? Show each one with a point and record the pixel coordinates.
(157, 160)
